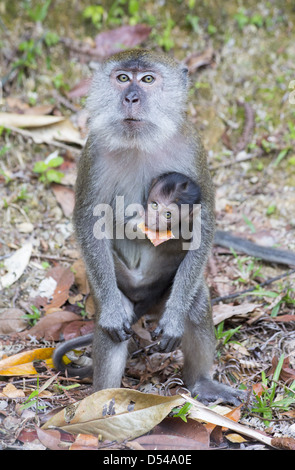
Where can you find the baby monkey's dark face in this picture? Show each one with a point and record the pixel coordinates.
(161, 213)
(170, 202)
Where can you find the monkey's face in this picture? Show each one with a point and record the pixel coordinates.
(161, 215)
(137, 100)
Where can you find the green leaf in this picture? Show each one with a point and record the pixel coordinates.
(281, 155)
(54, 176)
(54, 162)
(249, 223)
(40, 167)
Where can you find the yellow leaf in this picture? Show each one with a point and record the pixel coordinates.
(22, 363)
(236, 438)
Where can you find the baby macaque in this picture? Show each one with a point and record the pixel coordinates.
(170, 204)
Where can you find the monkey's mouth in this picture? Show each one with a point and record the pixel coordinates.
(132, 120)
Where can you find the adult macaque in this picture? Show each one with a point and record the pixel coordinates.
(138, 131)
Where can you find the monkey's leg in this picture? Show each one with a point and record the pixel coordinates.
(198, 345)
(109, 357)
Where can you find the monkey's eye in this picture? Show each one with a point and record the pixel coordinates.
(148, 79)
(123, 78)
(167, 215)
(154, 205)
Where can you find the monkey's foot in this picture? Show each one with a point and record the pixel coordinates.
(208, 390)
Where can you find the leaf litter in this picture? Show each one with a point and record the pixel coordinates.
(51, 276)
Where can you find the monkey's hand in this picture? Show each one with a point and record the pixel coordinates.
(171, 334)
(117, 326)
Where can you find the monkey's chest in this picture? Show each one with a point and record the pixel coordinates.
(142, 270)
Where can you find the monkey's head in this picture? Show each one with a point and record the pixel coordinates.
(137, 100)
(168, 193)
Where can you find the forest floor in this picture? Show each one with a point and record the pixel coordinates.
(241, 98)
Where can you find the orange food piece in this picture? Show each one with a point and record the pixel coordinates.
(156, 237)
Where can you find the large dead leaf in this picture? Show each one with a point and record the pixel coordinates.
(51, 326)
(223, 311)
(16, 265)
(22, 363)
(115, 414)
(42, 128)
(123, 37)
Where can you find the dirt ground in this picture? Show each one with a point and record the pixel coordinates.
(241, 61)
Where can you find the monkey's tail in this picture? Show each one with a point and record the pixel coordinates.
(67, 346)
(266, 253)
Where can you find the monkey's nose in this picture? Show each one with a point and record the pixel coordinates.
(131, 98)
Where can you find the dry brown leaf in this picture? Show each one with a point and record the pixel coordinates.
(287, 373)
(197, 59)
(62, 131)
(51, 439)
(41, 110)
(64, 279)
(51, 326)
(283, 318)
(11, 391)
(12, 321)
(43, 128)
(115, 414)
(80, 89)
(286, 443)
(235, 438)
(223, 311)
(177, 427)
(77, 328)
(65, 197)
(123, 37)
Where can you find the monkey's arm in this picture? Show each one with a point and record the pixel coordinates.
(97, 253)
(67, 346)
(272, 255)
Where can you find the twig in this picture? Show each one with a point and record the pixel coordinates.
(81, 48)
(248, 126)
(53, 257)
(251, 289)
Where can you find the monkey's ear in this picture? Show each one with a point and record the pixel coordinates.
(154, 181)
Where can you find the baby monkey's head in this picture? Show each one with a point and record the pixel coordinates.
(171, 201)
